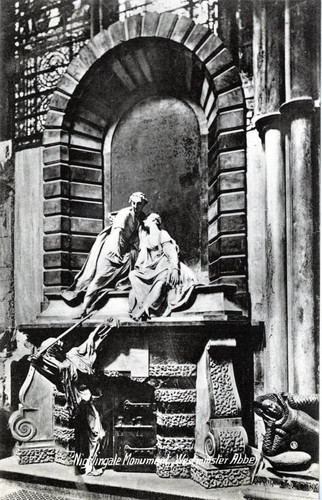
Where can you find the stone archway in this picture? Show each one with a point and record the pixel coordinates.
(163, 53)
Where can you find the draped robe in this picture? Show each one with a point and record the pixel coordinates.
(109, 261)
(151, 292)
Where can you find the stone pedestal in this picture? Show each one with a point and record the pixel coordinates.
(161, 353)
(33, 424)
(220, 449)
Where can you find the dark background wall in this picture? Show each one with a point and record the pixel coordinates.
(156, 149)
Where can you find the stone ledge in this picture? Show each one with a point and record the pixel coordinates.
(300, 482)
(205, 302)
(125, 485)
(275, 493)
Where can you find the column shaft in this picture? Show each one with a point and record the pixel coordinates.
(302, 258)
(227, 26)
(298, 112)
(276, 322)
(7, 64)
(276, 355)
(259, 57)
(268, 63)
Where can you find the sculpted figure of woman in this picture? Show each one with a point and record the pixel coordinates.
(160, 282)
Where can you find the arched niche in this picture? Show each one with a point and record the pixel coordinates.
(154, 56)
(159, 146)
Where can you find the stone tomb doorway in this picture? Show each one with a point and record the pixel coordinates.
(127, 412)
(133, 69)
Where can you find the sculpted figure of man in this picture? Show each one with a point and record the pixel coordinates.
(111, 257)
(160, 282)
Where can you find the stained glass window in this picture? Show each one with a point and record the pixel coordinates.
(48, 34)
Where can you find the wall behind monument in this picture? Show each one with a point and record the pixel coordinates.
(6, 236)
(156, 148)
(28, 234)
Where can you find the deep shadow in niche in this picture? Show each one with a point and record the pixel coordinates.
(127, 414)
(19, 371)
(157, 148)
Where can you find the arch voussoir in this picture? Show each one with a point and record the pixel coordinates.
(150, 24)
(220, 60)
(195, 37)
(67, 84)
(99, 44)
(77, 69)
(227, 79)
(204, 92)
(115, 33)
(181, 28)
(133, 27)
(232, 97)
(87, 55)
(208, 47)
(166, 24)
(59, 101)
(54, 119)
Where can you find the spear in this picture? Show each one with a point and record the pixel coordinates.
(54, 341)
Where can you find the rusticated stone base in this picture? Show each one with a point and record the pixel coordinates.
(64, 457)
(28, 455)
(173, 467)
(220, 478)
(43, 454)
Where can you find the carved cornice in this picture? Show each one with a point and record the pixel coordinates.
(35, 455)
(64, 457)
(62, 413)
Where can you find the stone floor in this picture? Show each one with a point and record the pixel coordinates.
(51, 481)
(56, 482)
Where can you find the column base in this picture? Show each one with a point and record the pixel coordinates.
(40, 453)
(35, 453)
(210, 476)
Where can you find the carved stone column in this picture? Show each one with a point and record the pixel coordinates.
(276, 372)
(268, 77)
(220, 458)
(227, 26)
(298, 112)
